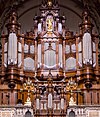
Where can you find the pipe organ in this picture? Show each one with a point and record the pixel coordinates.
(62, 67)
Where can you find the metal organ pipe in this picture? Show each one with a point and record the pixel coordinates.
(37, 103)
(39, 28)
(87, 49)
(12, 48)
(60, 28)
(62, 103)
(49, 100)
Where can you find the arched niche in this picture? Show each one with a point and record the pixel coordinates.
(71, 113)
(28, 114)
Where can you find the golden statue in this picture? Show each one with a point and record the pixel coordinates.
(49, 24)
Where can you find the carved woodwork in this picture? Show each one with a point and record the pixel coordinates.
(50, 56)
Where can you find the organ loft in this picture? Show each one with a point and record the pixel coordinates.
(49, 71)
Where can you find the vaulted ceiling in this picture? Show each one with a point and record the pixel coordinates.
(75, 6)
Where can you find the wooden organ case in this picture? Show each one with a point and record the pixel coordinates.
(49, 64)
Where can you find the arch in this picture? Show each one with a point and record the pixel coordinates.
(37, 6)
(32, 9)
(28, 114)
(71, 113)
